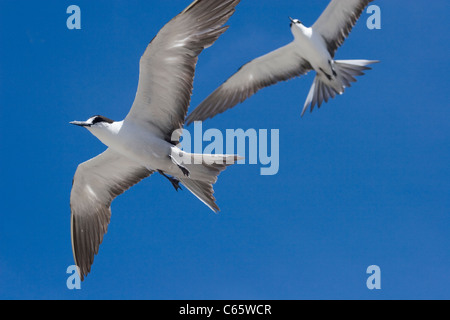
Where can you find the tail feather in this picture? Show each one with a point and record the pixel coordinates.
(323, 89)
(203, 191)
(204, 172)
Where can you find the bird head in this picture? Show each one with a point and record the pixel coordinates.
(100, 126)
(95, 122)
(295, 22)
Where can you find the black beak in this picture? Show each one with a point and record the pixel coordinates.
(292, 21)
(80, 124)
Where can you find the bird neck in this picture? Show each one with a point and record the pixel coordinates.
(107, 132)
(301, 32)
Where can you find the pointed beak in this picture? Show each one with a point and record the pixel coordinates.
(80, 124)
(292, 22)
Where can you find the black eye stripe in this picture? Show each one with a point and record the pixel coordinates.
(101, 119)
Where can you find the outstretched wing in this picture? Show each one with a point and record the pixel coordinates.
(95, 185)
(280, 65)
(168, 65)
(338, 20)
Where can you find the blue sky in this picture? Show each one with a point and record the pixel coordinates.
(363, 181)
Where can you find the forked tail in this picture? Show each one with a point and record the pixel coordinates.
(204, 171)
(324, 88)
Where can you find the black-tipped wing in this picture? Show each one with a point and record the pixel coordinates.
(280, 65)
(95, 185)
(338, 20)
(168, 65)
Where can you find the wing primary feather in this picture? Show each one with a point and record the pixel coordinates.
(96, 183)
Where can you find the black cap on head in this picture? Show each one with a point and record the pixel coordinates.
(98, 119)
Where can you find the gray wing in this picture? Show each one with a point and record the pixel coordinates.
(95, 185)
(168, 65)
(280, 65)
(338, 20)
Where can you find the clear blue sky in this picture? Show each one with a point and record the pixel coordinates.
(363, 181)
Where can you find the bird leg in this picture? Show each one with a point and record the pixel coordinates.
(332, 69)
(175, 182)
(182, 168)
(326, 74)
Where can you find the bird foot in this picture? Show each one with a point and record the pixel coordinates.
(183, 169)
(175, 182)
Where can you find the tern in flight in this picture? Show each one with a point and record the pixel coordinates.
(142, 144)
(313, 48)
